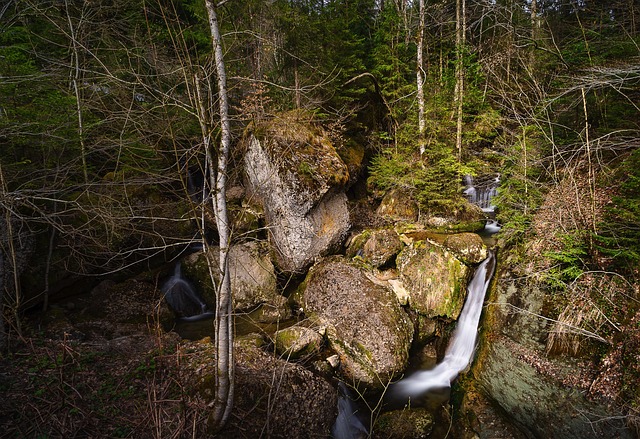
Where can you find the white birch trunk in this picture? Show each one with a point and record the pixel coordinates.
(420, 79)
(223, 339)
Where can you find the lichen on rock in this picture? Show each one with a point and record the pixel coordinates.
(365, 324)
(435, 278)
(295, 172)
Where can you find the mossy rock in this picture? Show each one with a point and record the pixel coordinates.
(253, 279)
(245, 221)
(435, 279)
(377, 247)
(297, 342)
(365, 324)
(468, 247)
(303, 155)
(352, 154)
(399, 205)
(412, 423)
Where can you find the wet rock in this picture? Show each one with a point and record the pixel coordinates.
(295, 173)
(435, 279)
(365, 324)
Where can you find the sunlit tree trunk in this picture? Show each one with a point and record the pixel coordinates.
(223, 339)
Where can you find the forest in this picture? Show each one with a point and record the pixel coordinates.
(123, 129)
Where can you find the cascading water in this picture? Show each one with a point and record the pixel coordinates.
(183, 298)
(434, 384)
(462, 346)
(482, 190)
(347, 425)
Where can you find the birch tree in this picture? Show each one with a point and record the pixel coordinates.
(420, 77)
(223, 339)
(459, 89)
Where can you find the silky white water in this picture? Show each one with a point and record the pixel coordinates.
(183, 298)
(463, 341)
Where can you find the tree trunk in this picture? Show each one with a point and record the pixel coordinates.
(75, 63)
(420, 80)
(3, 333)
(459, 88)
(223, 400)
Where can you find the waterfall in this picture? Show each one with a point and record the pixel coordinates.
(347, 425)
(460, 351)
(183, 298)
(480, 191)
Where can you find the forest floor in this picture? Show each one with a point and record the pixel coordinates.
(85, 368)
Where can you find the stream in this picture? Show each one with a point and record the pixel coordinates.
(433, 385)
(461, 348)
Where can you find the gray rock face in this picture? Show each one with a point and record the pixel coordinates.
(543, 396)
(300, 179)
(434, 279)
(253, 278)
(364, 322)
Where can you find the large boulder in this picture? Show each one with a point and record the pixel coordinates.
(399, 205)
(364, 321)
(253, 278)
(299, 404)
(295, 172)
(544, 396)
(434, 279)
(468, 247)
(377, 247)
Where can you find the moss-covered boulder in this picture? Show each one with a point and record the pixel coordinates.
(461, 217)
(435, 279)
(296, 342)
(365, 324)
(253, 279)
(294, 171)
(412, 423)
(468, 247)
(399, 205)
(377, 247)
(544, 396)
(352, 154)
